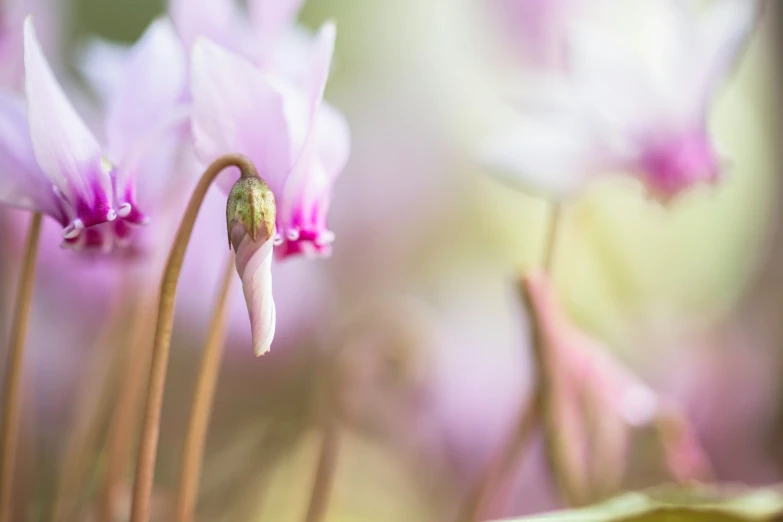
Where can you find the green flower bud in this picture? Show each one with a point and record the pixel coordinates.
(250, 209)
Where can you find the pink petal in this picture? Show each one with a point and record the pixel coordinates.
(271, 18)
(334, 139)
(67, 152)
(254, 265)
(320, 63)
(22, 184)
(152, 83)
(218, 20)
(236, 109)
(101, 63)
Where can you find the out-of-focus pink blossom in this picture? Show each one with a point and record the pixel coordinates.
(264, 33)
(537, 28)
(54, 163)
(613, 111)
(597, 402)
(12, 15)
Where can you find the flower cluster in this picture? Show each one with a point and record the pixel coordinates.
(211, 77)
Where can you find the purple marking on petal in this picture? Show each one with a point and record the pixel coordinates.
(675, 164)
(310, 242)
(96, 211)
(133, 214)
(122, 229)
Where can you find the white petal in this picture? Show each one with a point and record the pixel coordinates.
(555, 157)
(254, 265)
(66, 150)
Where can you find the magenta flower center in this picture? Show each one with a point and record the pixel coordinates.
(673, 165)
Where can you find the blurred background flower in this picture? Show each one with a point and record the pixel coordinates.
(416, 309)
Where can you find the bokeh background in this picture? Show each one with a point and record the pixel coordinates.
(416, 311)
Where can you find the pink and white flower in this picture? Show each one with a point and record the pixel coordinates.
(613, 111)
(53, 163)
(298, 145)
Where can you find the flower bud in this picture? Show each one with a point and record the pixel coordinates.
(250, 218)
(250, 209)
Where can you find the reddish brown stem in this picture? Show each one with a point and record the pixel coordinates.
(11, 405)
(325, 472)
(145, 462)
(125, 414)
(203, 397)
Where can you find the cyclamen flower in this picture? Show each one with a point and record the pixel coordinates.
(585, 380)
(614, 112)
(298, 145)
(54, 164)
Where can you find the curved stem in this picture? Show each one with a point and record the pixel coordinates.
(10, 428)
(145, 463)
(325, 472)
(202, 403)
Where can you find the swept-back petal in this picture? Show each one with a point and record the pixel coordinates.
(321, 62)
(152, 83)
(302, 215)
(334, 139)
(22, 184)
(236, 109)
(66, 150)
(271, 18)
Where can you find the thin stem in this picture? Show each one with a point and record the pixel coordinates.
(552, 236)
(504, 462)
(145, 463)
(545, 370)
(126, 410)
(11, 406)
(202, 402)
(325, 472)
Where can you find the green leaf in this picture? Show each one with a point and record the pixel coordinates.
(680, 504)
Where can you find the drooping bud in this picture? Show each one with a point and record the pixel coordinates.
(250, 209)
(250, 220)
